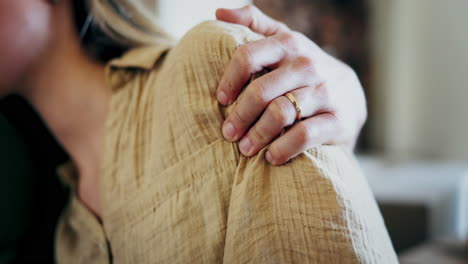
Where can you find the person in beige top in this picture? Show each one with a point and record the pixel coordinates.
(153, 179)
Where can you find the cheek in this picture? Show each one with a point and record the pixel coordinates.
(24, 28)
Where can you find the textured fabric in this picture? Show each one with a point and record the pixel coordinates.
(174, 191)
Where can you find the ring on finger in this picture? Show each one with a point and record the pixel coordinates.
(296, 105)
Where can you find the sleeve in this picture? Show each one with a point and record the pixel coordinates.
(317, 208)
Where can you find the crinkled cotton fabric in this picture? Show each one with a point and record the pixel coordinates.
(174, 191)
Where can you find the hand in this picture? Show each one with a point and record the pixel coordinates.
(328, 91)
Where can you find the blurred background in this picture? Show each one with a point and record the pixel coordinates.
(412, 59)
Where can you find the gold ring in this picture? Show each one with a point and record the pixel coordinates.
(294, 101)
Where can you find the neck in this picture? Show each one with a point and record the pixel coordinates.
(70, 94)
(69, 91)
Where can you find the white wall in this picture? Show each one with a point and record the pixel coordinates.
(421, 59)
(178, 16)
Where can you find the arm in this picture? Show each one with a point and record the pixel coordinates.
(315, 209)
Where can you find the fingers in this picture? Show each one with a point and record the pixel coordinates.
(261, 92)
(317, 130)
(279, 114)
(252, 57)
(247, 59)
(250, 16)
(255, 56)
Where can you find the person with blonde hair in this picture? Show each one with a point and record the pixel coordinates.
(153, 178)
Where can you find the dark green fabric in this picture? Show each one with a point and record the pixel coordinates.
(8, 255)
(17, 181)
(31, 196)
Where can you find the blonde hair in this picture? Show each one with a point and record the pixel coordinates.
(123, 24)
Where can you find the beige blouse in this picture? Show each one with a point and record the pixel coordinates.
(174, 191)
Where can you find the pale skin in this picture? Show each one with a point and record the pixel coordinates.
(42, 60)
(328, 91)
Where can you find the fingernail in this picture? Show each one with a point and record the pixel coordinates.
(222, 98)
(228, 131)
(245, 146)
(269, 158)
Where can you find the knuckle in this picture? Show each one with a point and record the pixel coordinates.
(243, 56)
(282, 26)
(322, 92)
(280, 111)
(239, 118)
(258, 92)
(305, 134)
(292, 40)
(304, 63)
(258, 135)
(251, 8)
(336, 121)
(298, 36)
(287, 37)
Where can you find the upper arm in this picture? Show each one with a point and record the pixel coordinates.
(315, 209)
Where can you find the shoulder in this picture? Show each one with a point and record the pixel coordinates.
(177, 90)
(209, 44)
(219, 33)
(208, 47)
(188, 78)
(199, 60)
